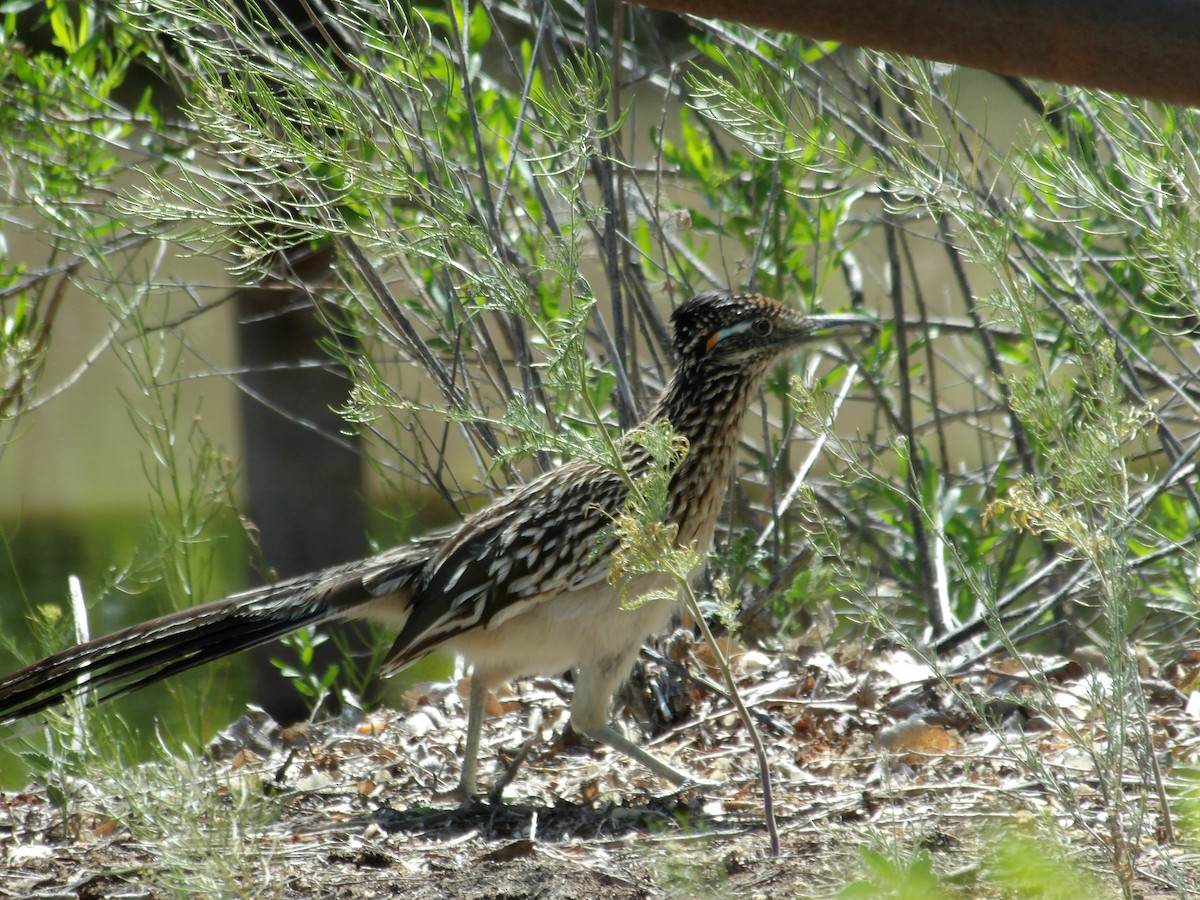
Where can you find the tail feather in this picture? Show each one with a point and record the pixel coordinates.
(126, 660)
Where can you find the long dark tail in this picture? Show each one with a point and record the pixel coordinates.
(127, 660)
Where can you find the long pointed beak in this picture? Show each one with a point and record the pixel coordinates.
(823, 326)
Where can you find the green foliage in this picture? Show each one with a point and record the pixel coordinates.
(903, 879)
(302, 672)
(209, 839)
(63, 122)
(1034, 865)
(647, 544)
(1186, 805)
(1021, 862)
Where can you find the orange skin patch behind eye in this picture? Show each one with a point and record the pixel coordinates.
(712, 341)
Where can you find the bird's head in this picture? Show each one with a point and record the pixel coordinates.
(727, 329)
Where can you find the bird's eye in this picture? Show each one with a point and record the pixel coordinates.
(762, 327)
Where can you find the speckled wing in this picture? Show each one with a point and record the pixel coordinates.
(550, 536)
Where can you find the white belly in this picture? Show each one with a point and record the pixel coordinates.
(586, 628)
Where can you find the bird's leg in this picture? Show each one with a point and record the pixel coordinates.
(594, 687)
(476, 708)
(607, 734)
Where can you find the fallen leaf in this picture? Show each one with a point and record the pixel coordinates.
(916, 739)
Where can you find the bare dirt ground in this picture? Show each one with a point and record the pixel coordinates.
(885, 785)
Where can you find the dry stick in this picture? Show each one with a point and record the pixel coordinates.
(693, 607)
(514, 325)
(813, 453)
(601, 164)
(760, 750)
(18, 388)
(402, 331)
(914, 469)
(505, 779)
(626, 398)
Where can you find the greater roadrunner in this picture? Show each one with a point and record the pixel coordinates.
(520, 587)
